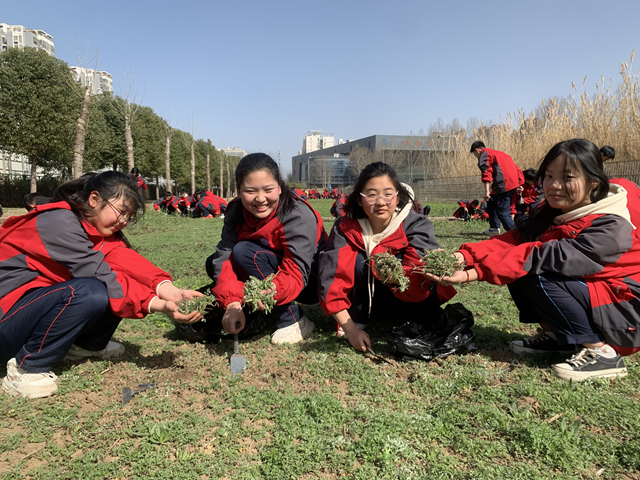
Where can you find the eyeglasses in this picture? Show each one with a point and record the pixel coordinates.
(372, 198)
(123, 219)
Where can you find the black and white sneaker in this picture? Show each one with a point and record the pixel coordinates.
(541, 342)
(589, 363)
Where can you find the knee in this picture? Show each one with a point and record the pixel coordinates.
(92, 293)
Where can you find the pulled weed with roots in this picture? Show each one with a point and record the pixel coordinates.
(198, 304)
(252, 293)
(440, 263)
(390, 269)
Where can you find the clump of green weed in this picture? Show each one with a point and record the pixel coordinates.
(440, 263)
(389, 268)
(197, 304)
(252, 293)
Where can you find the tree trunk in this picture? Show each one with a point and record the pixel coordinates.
(228, 181)
(193, 169)
(81, 132)
(220, 192)
(128, 141)
(34, 166)
(208, 175)
(167, 163)
(157, 187)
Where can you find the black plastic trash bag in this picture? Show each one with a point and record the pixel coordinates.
(449, 334)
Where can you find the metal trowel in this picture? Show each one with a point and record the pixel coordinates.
(127, 393)
(237, 361)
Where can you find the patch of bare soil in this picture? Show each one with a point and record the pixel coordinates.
(27, 451)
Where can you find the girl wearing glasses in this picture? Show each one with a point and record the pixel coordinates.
(67, 278)
(379, 218)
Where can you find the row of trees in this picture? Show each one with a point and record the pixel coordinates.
(64, 130)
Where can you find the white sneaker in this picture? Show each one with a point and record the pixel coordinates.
(492, 231)
(360, 326)
(28, 384)
(113, 349)
(293, 333)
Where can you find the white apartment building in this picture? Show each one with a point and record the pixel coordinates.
(316, 140)
(100, 81)
(234, 152)
(17, 36)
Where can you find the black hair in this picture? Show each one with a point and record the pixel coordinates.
(530, 174)
(110, 185)
(580, 156)
(135, 170)
(353, 209)
(477, 144)
(198, 194)
(255, 162)
(475, 203)
(30, 200)
(183, 191)
(608, 152)
(167, 193)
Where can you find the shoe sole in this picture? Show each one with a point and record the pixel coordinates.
(8, 387)
(526, 350)
(580, 376)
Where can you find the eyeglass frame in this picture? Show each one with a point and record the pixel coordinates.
(366, 199)
(126, 220)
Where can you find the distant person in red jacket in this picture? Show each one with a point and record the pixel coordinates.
(337, 209)
(466, 209)
(572, 266)
(168, 203)
(379, 218)
(527, 194)
(501, 177)
(68, 276)
(184, 203)
(607, 153)
(267, 230)
(205, 204)
(300, 193)
(139, 181)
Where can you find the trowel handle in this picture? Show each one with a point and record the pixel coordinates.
(235, 343)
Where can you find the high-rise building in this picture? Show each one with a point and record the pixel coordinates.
(316, 140)
(17, 36)
(234, 152)
(100, 81)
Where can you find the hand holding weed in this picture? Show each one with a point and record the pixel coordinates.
(441, 263)
(170, 309)
(168, 291)
(260, 294)
(197, 303)
(389, 270)
(460, 277)
(233, 319)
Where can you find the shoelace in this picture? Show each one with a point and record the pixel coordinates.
(582, 358)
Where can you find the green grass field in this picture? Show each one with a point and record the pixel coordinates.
(319, 409)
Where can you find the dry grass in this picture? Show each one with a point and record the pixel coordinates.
(609, 117)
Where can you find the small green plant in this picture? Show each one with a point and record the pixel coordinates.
(440, 263)
(389, 268)
(253, 289)
(197, 304)
(158, 433)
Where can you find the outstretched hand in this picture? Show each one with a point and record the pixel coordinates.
(170, 309)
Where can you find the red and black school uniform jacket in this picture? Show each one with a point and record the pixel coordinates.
(336, 275)
(220, 200)
(166, 202)
(184, 202)
(529, 194)
(141, 184)
(499, 169)
(299, 235)
(50, 245)
(300, 193)
(209, 200)
(464, 204)
(601, 249)
(337, 209)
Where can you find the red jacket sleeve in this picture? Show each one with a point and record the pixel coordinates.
(336, 272)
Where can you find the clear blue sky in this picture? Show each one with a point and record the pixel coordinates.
(259, 74)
